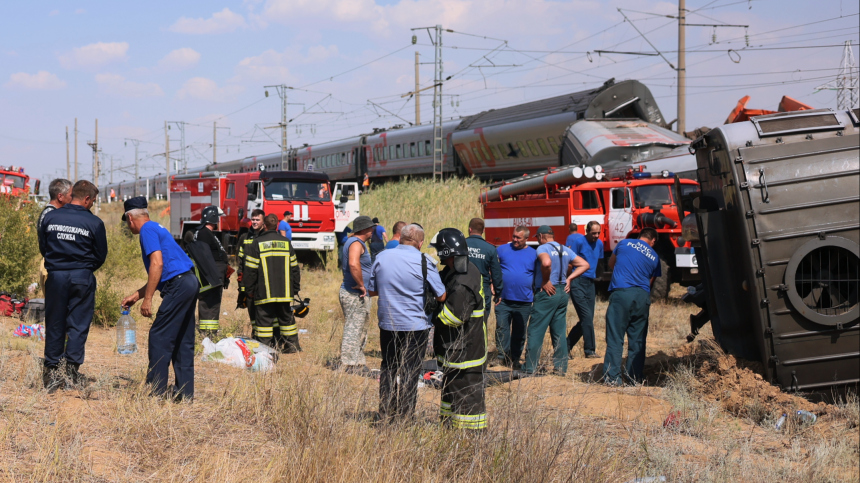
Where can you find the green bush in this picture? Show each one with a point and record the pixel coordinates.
(108, 301)
(19, 247)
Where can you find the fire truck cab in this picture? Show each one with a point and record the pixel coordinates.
(623, 202)
(14, 183)
(316, 214)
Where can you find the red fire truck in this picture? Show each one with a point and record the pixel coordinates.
(623, 202)
(317, 215)
(14, 183)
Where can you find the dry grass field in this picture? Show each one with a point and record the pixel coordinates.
(303, 422)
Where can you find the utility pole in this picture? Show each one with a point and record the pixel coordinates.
(846, 82)
(111, 170)
(282, 92)
(136, 163)
(67, 152)
(682, 67)
(95, 146)
(417, 101)
(167, 162)
(75, 180)
(214, 142)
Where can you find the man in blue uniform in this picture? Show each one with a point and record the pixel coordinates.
(517, 261)
(555, 267)
(483, 256)
(60, 191)
(573, 236)
(74, 244)
(395, 237)
(582, 292)
(171, 337)
(634, 265)
(378, 239)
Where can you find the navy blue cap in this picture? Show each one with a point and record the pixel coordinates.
(136, 203)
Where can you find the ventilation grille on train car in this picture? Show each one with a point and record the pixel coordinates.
(828, 279)
(793, 123)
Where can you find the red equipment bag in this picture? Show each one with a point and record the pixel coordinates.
(7, 308)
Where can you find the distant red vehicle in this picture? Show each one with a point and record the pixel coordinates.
(317, 215)
(14, 183)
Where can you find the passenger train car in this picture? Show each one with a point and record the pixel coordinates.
(493, 144)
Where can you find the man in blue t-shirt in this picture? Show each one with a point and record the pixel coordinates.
(635, 264)
(573, 237)
(284, 227)
(171, 337)
(582, 292)
(378, 239)
(555, 267)
(395, 237)
(517, 262)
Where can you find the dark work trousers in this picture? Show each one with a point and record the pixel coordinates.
(286, 336)
(402, 353)
(548, 312)
(582, 296)
(627, 314)
(375, 248)
(69, 307)
(252, 312)
(209, 305)
(463, 398)
(171, 337)
(511, 321)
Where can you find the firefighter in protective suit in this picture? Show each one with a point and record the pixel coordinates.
(245, 240)
(460, 339)
(209, 299)
(272, 278)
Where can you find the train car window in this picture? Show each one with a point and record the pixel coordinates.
(532, 147)
(553, 144)
(486, 153)
(420, 148)
(398, 151)
(477, 154)
(428, 148)
(542, 145)
(390, 153)
(496, 152)
(413, 150)
(343, 159)
(505, 150)
(521, 150)
(444, 145)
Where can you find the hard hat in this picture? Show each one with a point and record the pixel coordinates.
(301, 307)
(210, 215)
(450, 242)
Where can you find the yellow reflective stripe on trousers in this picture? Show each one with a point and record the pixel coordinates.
(273, 299)
(469, 421)
(264, 331)
(208, 325)
(448, 318)
(445, 409)
(289, 329)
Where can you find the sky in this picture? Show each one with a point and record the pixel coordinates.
(349, 63)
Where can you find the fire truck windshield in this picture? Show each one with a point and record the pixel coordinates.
(652, 195)
(278, 190)
(13, 181)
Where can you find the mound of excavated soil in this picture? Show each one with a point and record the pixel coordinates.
(737, 384)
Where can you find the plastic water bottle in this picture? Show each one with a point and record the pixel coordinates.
(126, 334)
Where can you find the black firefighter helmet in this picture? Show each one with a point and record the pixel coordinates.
(301, 307)
(450, 242)
(210, 215)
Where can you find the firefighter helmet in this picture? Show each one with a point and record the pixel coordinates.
(449, 242)
(301, 307)
(210, 215)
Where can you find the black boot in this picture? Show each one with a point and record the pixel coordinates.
(52, 379)
(75, 379)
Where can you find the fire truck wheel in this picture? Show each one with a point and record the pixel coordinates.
(662, 284)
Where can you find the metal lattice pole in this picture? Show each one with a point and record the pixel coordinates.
(846, 82)
(438, 135)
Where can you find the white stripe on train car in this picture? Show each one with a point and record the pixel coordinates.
(526, 221)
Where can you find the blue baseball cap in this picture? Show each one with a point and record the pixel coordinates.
(136, 203)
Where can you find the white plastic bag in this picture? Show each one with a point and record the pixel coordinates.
(229, 350)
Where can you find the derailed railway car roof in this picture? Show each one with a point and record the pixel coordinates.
(629, 98)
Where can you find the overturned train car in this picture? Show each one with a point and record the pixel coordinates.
(779, 227)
